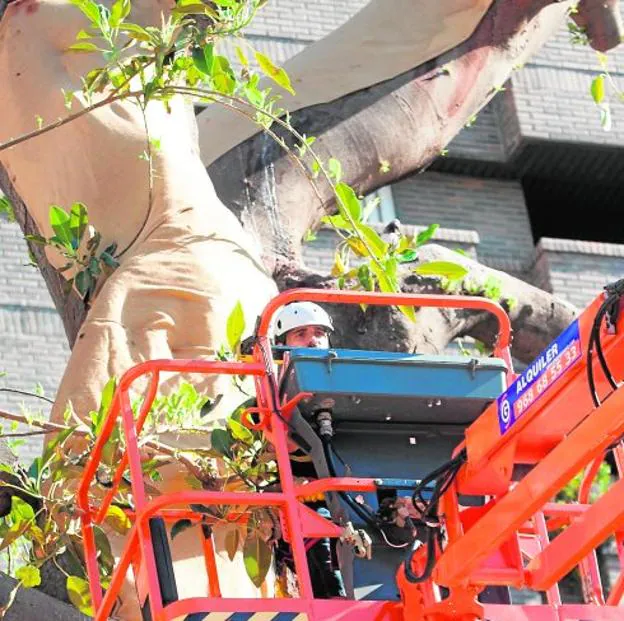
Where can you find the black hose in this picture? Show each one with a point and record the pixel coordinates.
(363, 513)
(595, 341)
(430, 563)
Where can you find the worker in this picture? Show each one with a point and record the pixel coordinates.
(305, 324)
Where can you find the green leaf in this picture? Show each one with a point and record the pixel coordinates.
(597, 88)
(409, 312)
(386, 285)
(79, 594)
(7, 209)
(445, 269)
(235, 326)
(407, 256)
(118, 520)
(108, 392)
(277, 74)
(221, 442)
(426, 235)
(232, 541)
(192, 7)
(84, 35)
(89, 9)
(204, 58)
(179, 527)
(35, 468)
(239, 431)
(119, 11)
(242, 58)
(339, 222)
(84, 47)
(56, 441)
(335, 169)
(349, 201)
(364, 277)
(105, 551)
(109, 260)
(29, 576)
(82, 282)
(257, 559)
(37, 239)
(59, 220)
(135, 31)
(78, 221)
(21, 511)
(357, 246)
(374, 242)
(222, 75)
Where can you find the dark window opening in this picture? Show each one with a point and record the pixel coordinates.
(581, 210)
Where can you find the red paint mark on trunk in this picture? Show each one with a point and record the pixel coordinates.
(468, 74)
(31, 6)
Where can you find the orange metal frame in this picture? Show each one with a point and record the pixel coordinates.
(486, 545)
(513, 539)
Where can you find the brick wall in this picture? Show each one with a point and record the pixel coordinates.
(575, 270)
(480, 140)
(303, 20)
(552, 96)
(33, 347)
(494, 208)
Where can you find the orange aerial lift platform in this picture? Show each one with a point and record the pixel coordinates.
(487, 452)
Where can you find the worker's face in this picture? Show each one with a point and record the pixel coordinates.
(308, 336)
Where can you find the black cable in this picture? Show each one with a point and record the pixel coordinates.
(430, 563)
(443, 476)
(362, 512)
(614, 293)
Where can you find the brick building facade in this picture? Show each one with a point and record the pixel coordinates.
(532, 187)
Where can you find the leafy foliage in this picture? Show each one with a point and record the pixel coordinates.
(600, 485)
(43, 522)
(182, 57)
(7, 209)
(79, 247)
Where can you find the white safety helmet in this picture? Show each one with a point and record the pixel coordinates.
(298, 314)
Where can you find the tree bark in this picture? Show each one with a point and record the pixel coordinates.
(406, 121)
(70, 307)
(32, 605)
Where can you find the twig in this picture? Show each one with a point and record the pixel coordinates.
(23, 434)
(27, 393)
(60, 122)
(48, 427)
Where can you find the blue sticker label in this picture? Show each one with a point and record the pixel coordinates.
(539, 376)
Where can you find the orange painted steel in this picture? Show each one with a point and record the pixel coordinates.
(298, 523)
(559, 435)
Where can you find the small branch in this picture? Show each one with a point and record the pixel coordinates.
(26, 393)
(60, 122)
(24, 434)
(150, 180)
(45, 426)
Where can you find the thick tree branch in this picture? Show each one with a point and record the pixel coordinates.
(33, 605)
(602, 22)
(406, 121)
(537, 317)
(70, 307)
